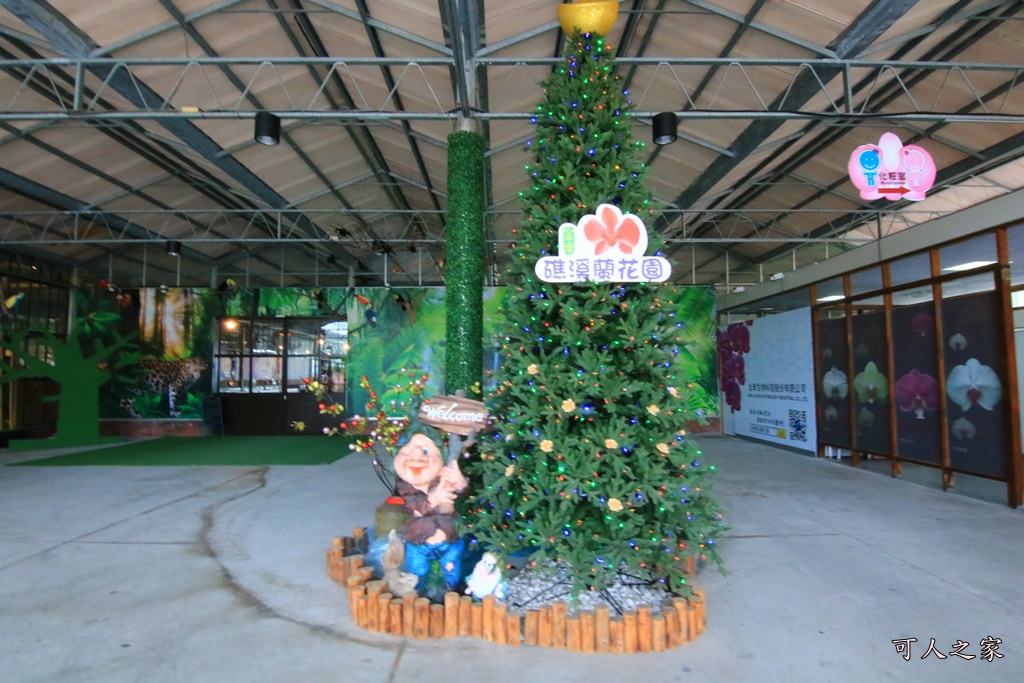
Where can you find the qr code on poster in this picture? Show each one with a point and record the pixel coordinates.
(798, 425)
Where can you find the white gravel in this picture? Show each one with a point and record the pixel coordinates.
(532, 588)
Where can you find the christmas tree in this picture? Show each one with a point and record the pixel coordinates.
(590, 469)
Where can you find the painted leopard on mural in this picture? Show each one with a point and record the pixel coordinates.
(172, 376)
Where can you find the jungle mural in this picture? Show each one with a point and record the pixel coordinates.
(98, 353)
(390, 332)
(171, 377)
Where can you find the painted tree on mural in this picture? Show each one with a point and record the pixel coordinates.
(590, 470)
(93, 354)
(390, 336)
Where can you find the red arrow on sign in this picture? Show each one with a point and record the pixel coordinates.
(894, 190)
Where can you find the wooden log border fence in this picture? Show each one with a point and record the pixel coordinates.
(372, 608)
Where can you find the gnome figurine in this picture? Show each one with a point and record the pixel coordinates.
(429, 488)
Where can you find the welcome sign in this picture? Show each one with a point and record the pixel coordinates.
(605, 246)
(453, 414)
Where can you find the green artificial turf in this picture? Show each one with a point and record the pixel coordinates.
(209, 450)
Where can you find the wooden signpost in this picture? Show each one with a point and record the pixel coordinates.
(453, 414)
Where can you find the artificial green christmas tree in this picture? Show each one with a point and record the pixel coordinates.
(589, 468)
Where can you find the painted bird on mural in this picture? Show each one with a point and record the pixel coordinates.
(8, 304)
(369, 313)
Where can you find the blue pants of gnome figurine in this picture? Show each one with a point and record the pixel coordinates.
(418, 558)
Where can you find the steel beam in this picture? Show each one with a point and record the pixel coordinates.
(47, 195)
(68, 40)
(873, 22)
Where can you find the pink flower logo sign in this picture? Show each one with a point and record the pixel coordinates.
(605, 246)
(609, 229)
(892, 170)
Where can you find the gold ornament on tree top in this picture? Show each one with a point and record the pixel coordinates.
(589, 16)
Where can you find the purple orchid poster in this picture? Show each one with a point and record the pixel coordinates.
(915, 387)
(767, 379)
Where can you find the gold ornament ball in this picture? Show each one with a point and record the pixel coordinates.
(589, 16)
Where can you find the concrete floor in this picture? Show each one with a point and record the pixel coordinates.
(217, 574)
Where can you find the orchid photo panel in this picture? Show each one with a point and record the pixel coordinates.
(975, 394)
(833, 384)
(916, 387)
(870, 383)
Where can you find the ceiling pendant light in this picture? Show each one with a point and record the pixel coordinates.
(664, 128)
(268, 128)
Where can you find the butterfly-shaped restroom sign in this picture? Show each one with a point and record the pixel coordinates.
(605, 246)
(892, 170)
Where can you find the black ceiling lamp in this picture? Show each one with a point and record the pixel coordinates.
(664, 128)
(268, 128)
(173, 248)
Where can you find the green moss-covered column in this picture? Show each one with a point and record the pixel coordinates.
(465, 255)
